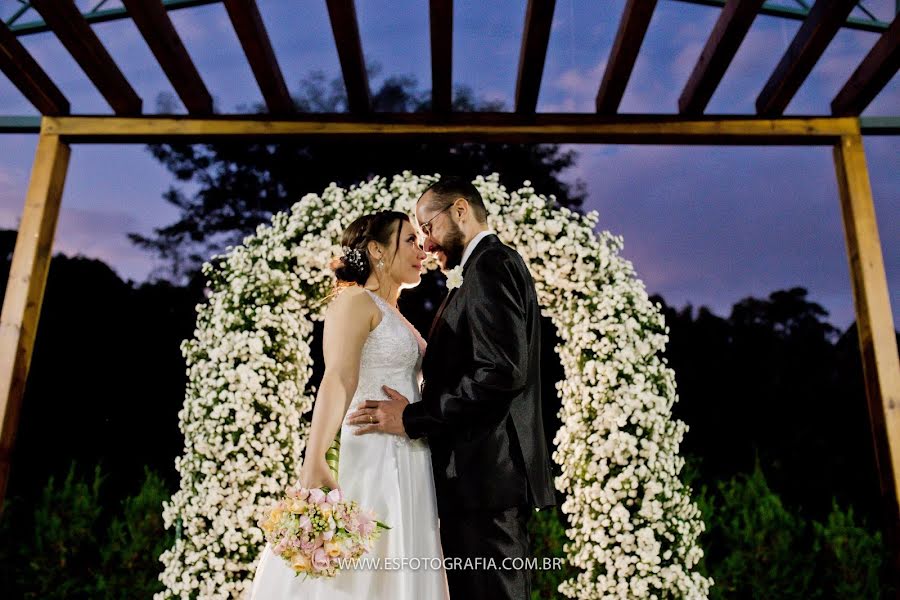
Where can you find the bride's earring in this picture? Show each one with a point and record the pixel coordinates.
(380, 264)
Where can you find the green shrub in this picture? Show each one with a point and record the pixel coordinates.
(757, 548)
(134, 541)
(62, 557)
(754, 545)
(850, 560)
(68, 545)
(548, 536)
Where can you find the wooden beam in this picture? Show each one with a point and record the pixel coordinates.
(799, 13)
(535, 39)
(105, 15)
(874, 322)
(25, 286)
(20, 125)
(727, 35)
(468, 127)
(879, 125)
(441, 20)
(870, 77)
(629, 37)
(254, 38)
(867, 125)
(66, 21)
(349, 46)
(824, 21)
(156, 27)
(24, 73)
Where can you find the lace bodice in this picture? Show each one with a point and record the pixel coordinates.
(394, 347)
(391, 356)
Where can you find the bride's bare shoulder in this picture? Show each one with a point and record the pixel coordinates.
(352, 303)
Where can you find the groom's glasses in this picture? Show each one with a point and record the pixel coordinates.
(426, 226)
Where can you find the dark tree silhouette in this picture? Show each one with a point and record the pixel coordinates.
(770, 380)
(776, 381)
(236, 186)
(107, 378)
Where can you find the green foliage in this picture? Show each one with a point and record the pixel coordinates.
(548, 536)
(134, 541)
(849, 557)
(758, 548)
(69, 546)
(755, 545)
(60, 560)
(57, 548)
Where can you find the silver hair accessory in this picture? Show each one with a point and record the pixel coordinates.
(353, 257)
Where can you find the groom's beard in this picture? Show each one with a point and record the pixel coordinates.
(453, 247)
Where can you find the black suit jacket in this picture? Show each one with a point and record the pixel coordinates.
(481, 398)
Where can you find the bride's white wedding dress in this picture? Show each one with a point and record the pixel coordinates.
(387, 473)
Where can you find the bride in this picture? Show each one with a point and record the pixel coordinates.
(368, 344)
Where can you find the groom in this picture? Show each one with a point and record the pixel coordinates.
(481, 400)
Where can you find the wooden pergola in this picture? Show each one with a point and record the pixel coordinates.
(843, 130)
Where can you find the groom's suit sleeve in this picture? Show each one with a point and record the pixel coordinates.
(495, 313)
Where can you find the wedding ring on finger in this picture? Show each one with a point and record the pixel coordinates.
(371, 419)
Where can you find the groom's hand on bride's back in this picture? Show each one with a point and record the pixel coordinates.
(385, 416)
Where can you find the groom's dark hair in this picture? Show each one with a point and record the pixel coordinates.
(446, 190)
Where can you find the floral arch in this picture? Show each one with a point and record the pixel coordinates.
(634, 528)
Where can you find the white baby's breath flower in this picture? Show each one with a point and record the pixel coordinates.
(633, 528)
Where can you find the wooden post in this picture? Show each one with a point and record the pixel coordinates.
(25, 287)
(875, 324)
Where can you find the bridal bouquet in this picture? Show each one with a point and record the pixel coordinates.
(317, 530)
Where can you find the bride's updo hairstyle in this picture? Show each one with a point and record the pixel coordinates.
(356, 264)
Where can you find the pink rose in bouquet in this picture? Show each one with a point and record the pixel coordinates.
(317, 530)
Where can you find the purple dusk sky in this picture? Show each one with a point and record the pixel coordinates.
(705, 225)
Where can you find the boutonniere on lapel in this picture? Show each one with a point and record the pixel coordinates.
(454, 277)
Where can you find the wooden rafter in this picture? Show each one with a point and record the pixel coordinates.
(873, 73)
(98, 14)
(629, 37)
(73, 31)
(536, 37)
(732, 26)
(345, 26)
(441, 20)
(24, 72)
(867, 125)
(153, 22)
(467, 127)
(821, 25)
(254, 38)
(798, 10)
